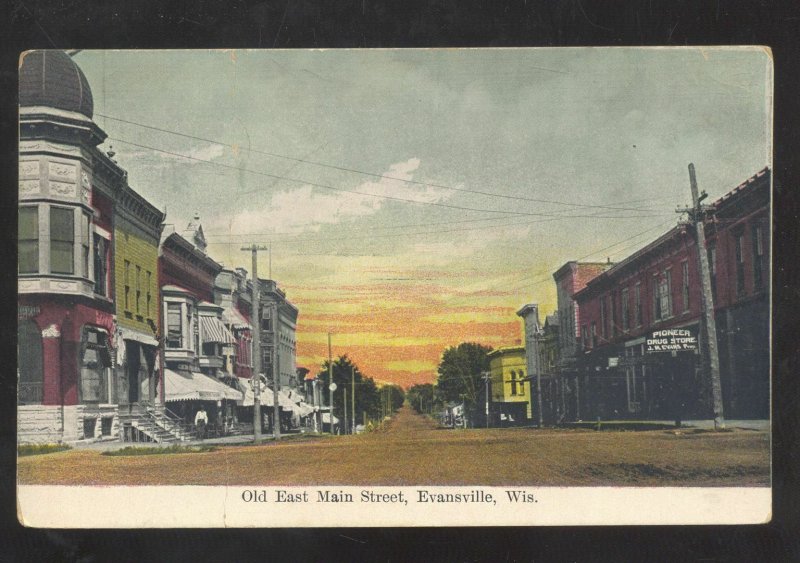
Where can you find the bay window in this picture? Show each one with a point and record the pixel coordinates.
(28, 240)
(62, 240)
(174, 327)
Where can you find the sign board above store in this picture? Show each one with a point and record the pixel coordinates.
(671, 340)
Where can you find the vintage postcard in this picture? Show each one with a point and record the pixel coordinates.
(394, 287)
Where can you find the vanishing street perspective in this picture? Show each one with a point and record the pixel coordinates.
(505, 267)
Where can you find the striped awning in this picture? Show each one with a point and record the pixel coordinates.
(212, 330)
(234, 318)
(197, 387)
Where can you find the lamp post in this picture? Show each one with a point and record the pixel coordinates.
(486, 376)
(332, 388)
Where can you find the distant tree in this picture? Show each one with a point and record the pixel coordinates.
(421, 397)
(397, 396)
(460, 371)
(367, 395)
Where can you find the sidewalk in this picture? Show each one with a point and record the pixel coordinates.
(236, 440)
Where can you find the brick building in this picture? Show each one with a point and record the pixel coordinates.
(74, 203)
(195, 372)
(571, 278)
(658, 288)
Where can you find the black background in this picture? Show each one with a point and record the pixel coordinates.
(98, 24)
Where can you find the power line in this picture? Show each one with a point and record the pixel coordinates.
(357, 171)
(441, 231)
(547, 277)
(324, 186)
(429, 224)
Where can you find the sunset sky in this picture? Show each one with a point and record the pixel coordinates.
(416, 199)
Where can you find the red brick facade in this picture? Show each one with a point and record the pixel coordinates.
(659, 287)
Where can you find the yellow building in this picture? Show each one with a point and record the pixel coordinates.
(510, 389)
(137, 230)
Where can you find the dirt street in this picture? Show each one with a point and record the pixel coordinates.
(412, 450)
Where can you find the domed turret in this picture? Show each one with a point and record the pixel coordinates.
(51, 78)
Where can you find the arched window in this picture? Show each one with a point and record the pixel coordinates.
(29, 353)
(513, 382)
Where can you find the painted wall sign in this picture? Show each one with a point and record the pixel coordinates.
(672, 340)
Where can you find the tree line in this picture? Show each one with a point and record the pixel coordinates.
(371, 399)
(458, 379)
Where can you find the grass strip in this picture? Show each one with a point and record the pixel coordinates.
(39, 449)
(173, 449)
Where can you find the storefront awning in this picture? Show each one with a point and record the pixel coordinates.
(234, 318)
(141, 338)
(212, 330)
(326, 418)
(197, 387)
(248, 398)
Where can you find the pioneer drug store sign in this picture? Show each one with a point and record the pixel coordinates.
(672, 340)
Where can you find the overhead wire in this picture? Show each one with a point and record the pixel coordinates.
(355, 170)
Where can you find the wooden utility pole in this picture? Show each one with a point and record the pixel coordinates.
(353, 399)
(330, 380)
(345, 411)
(256, 316)
(696, 214)
(276, 372)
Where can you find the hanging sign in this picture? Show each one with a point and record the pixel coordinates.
(671, 340)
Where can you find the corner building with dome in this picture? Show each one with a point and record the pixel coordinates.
(88, 313)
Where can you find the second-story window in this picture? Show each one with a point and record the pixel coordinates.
(612, 316)
(637, 294)
(739, 250)
(126, 278)
(594, 334)
(656, 299)
(62, 240)
(758, 257)
(665, 288)
(585, 336)
(100, 265)
(602, 316)
(513, 382)
(685, 284)
(174, 327)
(85, 245)
(138, 289)
(625, 321)
(28, 240)
(149, 296)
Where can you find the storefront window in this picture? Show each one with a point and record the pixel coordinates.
(95, 360)
(62, 240)
(28, 240)
(31, 374)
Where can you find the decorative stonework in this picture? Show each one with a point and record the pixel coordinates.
(29, 187)
(86, 187)
(63, 172)
(28, 168)
(28, 146)
(51, 331)
(26, 285)
(63, 189)
(65, 286)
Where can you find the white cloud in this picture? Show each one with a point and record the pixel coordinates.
(307, 208)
